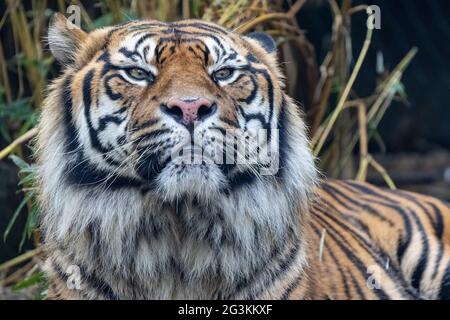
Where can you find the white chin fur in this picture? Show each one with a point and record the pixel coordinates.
(193, 180)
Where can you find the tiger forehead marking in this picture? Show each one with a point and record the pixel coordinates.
(184, 55)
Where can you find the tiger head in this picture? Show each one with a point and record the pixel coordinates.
(178, 109)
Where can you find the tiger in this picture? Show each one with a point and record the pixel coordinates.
(128, 214)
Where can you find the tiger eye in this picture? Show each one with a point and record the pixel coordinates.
(137, 73)
(223, 73)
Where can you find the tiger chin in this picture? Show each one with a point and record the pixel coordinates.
(143, 196)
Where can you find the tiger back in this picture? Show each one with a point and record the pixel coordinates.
(375, 243)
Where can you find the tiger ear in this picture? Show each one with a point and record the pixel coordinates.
(64, 38)
(263, 40)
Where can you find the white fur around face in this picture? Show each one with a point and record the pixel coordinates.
(273, 207)
(184, 239)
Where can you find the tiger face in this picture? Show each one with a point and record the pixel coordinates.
(170, 157)
(183, 108)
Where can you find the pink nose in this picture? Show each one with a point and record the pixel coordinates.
(189, 110)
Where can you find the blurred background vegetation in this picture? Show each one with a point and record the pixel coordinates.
(368, 120)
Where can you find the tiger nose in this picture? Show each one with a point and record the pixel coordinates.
(190, 110)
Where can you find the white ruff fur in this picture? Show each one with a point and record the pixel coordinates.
(145, 269)
(185, 237)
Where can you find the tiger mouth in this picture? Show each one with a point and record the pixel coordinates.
(183, 158)
(193, 154)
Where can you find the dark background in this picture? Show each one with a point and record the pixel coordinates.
(424, 125)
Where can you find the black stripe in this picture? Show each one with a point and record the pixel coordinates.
(345, 247)
(66, 101)
(283, 145)
(239, 179)
(423, 259)
(356, 285)
(64, 277)
(270, 89)
(159, 49)
(405, 241)
(253, 116)
(130, 54)
(96, 283)
(293, 285)
(177, 32)
(104, 121)
(79, 171)
(444, 293)
(197, 25)
(249, 99)
(435, 224)
(230, 122)
(438, 260)
(251, 58)
(359, 204)
(336, 262)
(206, 53)
(83, 174)
(87, 100)
(111, 94)
(263, 266)
(142, 39)
(152, 135)
(283, 267)
(145, 125)
(439, 224)
(374, 252)
(439, 228)
(99, 284)
(359, 222)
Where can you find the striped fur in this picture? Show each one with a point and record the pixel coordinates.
(138, 223)
(380, 244)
